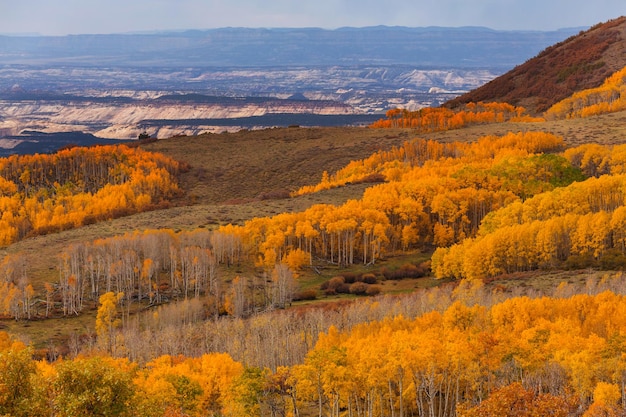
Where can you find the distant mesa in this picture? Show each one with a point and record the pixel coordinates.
(439, 90)
(298, 97)
(31, 142)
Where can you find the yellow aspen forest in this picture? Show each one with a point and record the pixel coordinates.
(581, 225)
(432, 194)
(607, 98)
(74, 187)
(559, 355)
(201, 348)
(298, 314)
(45, 193)
(434, 119)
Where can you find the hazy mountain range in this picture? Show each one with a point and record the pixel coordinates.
(431, 46)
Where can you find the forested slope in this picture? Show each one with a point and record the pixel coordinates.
(560, 355)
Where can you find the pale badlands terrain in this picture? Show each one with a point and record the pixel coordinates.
(122, 113)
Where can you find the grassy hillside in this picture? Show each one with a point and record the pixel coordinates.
(237, 176)
(266, 165)
(261, 164)
(246, 166)
(580, 62)
(274, 162)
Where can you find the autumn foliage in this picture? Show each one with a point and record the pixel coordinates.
(607, 98)
(174, 337)
(434, 194)
(434, 119)
(476, 353)
(438, 195)
(45, 193)
(580, 62)
(520, 357)
(390, 165)
(577, 226)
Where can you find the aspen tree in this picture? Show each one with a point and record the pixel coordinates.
(107, 320)
(16, 370)
(96, 386)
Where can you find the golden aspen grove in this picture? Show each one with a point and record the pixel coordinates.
(77, 186)
(609, 97)
(303, 312)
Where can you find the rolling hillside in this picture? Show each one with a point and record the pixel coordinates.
(234, 177)
(582, 61)
(474, 271)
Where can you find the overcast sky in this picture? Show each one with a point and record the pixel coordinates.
(62, 17)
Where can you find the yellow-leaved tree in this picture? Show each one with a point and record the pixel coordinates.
(107, 320)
